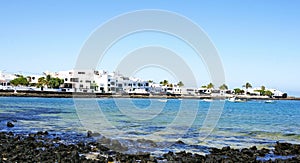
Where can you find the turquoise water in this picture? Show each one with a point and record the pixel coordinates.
(240, 124)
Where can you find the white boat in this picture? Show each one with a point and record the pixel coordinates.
(234, 99)
(239, 100)
(207, 100)
(162, 100)
(270, 101)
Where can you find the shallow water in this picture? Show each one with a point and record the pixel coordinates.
(164, 122)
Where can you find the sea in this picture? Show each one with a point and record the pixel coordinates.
(156, 125)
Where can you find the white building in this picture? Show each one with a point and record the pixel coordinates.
(204, 91)
(252, 91)
(277, 93)
(156, 88)
(98, 81)
(107, 82)
(190, 91)
(77, 80)
(135, 83)
(5, 79)
(33, 79)
(174, 90)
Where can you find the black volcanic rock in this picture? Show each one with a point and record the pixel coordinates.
(286, 149)
(37, 148)
(10, 124)
(89, 134)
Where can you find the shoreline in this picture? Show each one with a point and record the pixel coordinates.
(71, 145)
(44, 146)
(107, 95)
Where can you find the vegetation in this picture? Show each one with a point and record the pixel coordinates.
(264, 92)
(164, 82)
(180, 84)
(55, 82)
(238, 91)
(21, 80)
(41, 82)
(268, 93)
(247, 85)
(210, 86)
(49, 82)
(94, 86)
(223, 87)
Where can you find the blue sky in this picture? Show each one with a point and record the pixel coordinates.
(258, 41)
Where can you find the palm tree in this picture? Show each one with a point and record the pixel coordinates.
(223, 87)
(164, 83)
(41, 82)
(268, 93)
(247, 85)
(262, 90)
(210, 86)
(180, 84)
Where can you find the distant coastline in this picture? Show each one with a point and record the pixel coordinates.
(49, 94)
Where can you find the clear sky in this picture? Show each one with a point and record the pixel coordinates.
(258, 41)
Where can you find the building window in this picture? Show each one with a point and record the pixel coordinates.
(81, 85)
(74, 79)
(146, 84)
(66, 79)
(108, 79)
(88, 81)
(108, 85)
(81, 72)
(112, 83)
(33, 78)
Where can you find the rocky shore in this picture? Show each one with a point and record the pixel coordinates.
(45, 147)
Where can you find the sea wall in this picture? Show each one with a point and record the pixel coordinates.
(48, 94)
